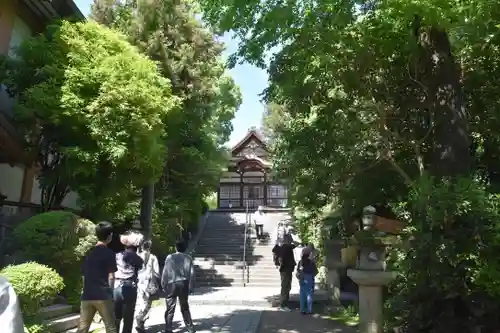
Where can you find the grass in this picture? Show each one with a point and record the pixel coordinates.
(348, 316)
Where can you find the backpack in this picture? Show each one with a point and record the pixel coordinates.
(299, 274)
(277, 255)
(154, 285)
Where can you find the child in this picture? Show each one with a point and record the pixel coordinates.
(306, 271)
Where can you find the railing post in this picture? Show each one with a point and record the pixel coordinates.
(246, 244)
(244, 262)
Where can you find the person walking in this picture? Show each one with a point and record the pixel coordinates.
(259, 218)
(280, 232)
(306, 271)
(98, 270)
(177, 282)
(128, 263)
(148, 285)
(285, 262)
(311, 252)
(10, 313)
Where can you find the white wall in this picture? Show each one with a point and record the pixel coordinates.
(20, 32)
(70, 201)
(11, 181)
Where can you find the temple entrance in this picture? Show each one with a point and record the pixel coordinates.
(253, 196)
(248, 181)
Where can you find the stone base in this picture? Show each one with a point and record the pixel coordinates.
(371, 278)
(370, 285)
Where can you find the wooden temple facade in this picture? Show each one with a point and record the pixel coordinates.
(247, 181)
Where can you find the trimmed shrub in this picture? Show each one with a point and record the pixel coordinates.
(34, 284)
(60, 240)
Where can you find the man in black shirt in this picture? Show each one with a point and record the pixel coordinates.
(285, 260)
(99, 270)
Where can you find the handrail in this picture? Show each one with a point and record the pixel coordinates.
(244, 259)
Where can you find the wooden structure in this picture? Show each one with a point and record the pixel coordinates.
(247, 180)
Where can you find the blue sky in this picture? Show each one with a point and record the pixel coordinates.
(252, 82)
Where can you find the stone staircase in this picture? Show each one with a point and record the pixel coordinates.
(61, 318)
(219, 255)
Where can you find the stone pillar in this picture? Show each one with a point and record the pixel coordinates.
(370, 285)
(241, 189)
(218, 195)
(265, 189)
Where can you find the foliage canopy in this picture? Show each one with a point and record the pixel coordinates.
(393, 104)
(191, 57)
(92, 109)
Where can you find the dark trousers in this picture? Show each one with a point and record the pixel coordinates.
(173, 291)
(286, 286)
(259, 230)
(125, 296)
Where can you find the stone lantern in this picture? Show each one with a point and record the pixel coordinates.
(370, 274)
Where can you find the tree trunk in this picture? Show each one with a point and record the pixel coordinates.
(449, 154)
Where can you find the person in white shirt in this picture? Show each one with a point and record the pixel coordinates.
(148, 285)
(280, 232)
(10, 313)
(177, 282)
(259, 217)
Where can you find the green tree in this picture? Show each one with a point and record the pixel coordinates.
(93, 110)
(189, 55)
(392, 104)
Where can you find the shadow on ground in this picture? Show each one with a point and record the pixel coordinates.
(294, 322)
(261, 321)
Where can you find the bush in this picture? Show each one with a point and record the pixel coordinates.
(60, 240)
(450, 260)
(34, 284)
(36, 328)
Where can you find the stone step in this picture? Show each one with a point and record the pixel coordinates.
(221, 249)
(236, 283)
(231, 266)
(222, 236)
(63, 323)
(95, 327)
(225, 228)
(251, 279)
(230, 258)
(221, 240)
(211, 263)
(215, 252)
(222, 244)
(56, 310)
(237, 272)
(202, 245)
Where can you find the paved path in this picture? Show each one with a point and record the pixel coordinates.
(273, 321)
(246, 319)
(247, 296)
(220, 319)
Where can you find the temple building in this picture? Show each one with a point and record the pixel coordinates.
(247, 181)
